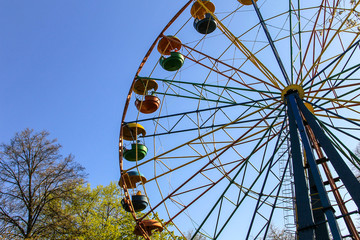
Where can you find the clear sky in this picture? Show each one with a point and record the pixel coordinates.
(66, 66)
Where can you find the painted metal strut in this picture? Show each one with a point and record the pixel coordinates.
(306, 224)
(271, 42)
(309, 219)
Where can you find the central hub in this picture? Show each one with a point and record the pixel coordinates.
(291, 89)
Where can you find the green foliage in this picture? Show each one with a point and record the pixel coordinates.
(97, 214)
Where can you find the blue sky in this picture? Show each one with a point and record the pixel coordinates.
(66, 67)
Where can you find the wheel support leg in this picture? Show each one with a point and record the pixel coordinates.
(305, 222)
(347, 177)
(321, 230)
(294, 112)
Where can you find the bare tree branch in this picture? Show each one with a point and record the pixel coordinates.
(33, 174)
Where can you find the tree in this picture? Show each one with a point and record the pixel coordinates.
(198, 236)
(279, 234)
(357, 173)
(356, 167)
(98, 214)
(33, 175)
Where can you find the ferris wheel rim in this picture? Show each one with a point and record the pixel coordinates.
(130, 93)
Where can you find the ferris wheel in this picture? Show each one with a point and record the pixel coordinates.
(244, 116)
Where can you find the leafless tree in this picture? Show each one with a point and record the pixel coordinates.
(33, 174)
(357, 174)
(198, 236)
(279, 234)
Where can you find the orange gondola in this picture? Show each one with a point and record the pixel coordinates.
(149, 105)
(148, 226)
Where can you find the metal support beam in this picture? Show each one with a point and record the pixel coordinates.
(346, 175)
(321, 230)
(305, 222)
(327, 208)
